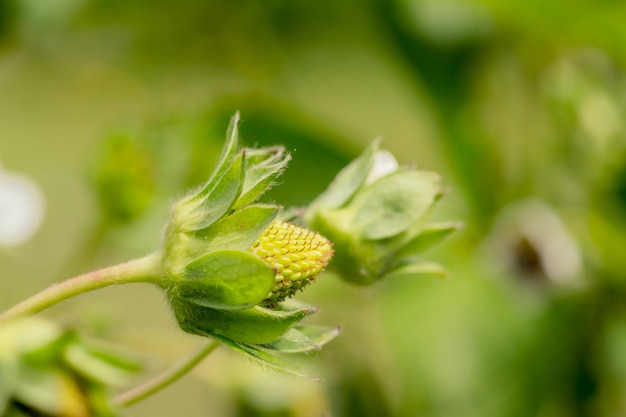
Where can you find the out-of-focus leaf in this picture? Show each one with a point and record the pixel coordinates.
(393, 203)
(54, 372)
(121, 360)
(431, 234)
(414, 269)
(8, 378)
(28, 336)
(94, 368)
(48, 353)
(50, 392)
(99, 401)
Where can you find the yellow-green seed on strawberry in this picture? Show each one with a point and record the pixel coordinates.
(298, 256)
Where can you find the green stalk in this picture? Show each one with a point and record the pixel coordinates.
(167, 377)
(146, 269)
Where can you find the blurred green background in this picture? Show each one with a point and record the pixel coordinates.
(116, 107)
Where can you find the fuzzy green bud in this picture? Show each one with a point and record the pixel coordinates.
(376, 213)
(229, 263)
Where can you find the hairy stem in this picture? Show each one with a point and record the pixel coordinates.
(144, 269)
(167, 377)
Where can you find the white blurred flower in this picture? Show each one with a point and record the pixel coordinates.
(531, 238)
(384, 163)
(22, 208)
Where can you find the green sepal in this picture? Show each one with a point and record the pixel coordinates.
(227, 279)
(264, 167)
(229, 151)
(302, 339)
(346, 183)
(415, 269)
(256, 325)
(238, 230)
(320, 334)
(265, 358)
(221, 198)
(392, 204)
(429, 236)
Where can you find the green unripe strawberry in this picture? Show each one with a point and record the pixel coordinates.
(228, 263)
(296, 254)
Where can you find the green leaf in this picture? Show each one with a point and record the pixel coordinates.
(226, 279)
(49, 391)
(415, 269)
(301, 339)
(256, 325)
(238, 230)
(428, 237)
(123, 360)
(99, 401)
(8, 379)
(30, 335)
(392, 204)
(265, 358)
(93, 367)
(264, 167)
(347, 181)
(48, 353)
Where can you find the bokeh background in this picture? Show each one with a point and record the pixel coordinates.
(113, 108)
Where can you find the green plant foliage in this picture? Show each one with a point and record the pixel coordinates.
(510, 101)
(54, 372)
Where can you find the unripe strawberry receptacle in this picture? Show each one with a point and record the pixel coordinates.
(297, 255)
